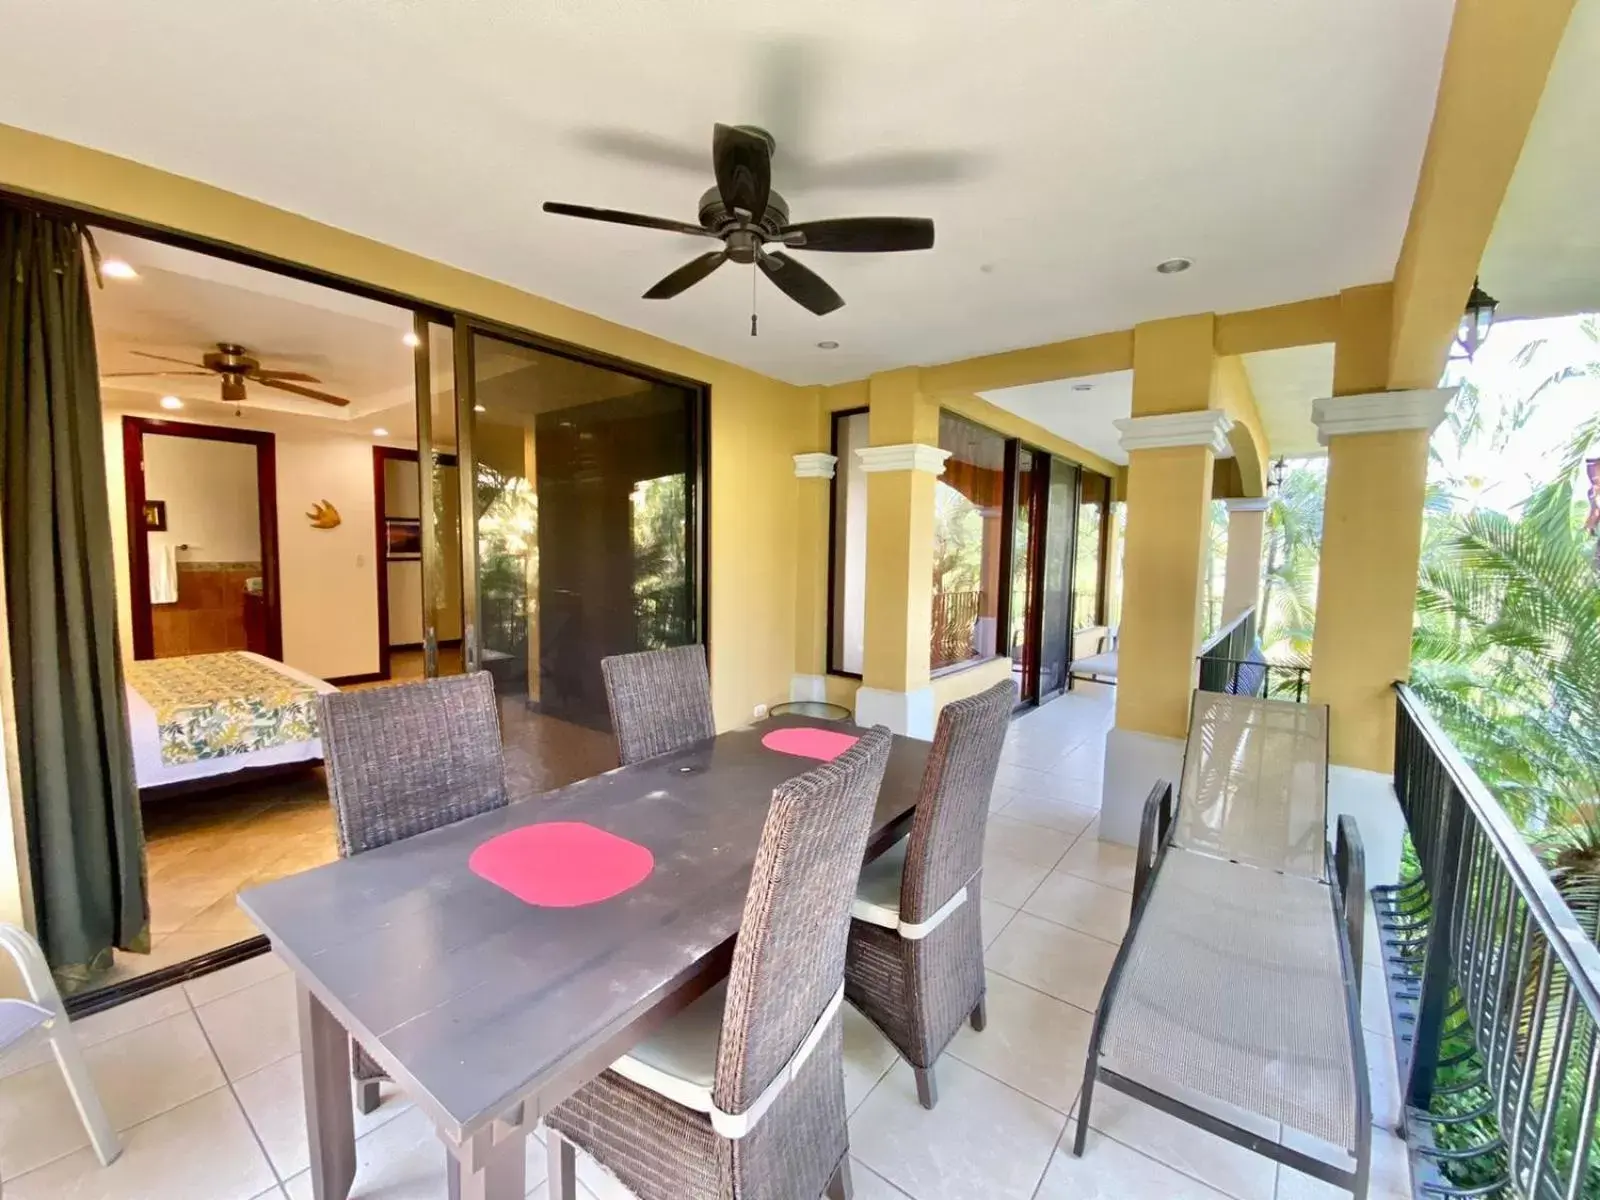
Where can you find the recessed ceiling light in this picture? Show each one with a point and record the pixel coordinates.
(116, 268)
(380, 432)
(1174, 266)
(411, 339)
(827, 345)
(479, 408)
(1083, 387)
(171, 402)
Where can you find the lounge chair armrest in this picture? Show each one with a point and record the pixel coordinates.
(1350, 868)
(1154, 826)
(25, 952)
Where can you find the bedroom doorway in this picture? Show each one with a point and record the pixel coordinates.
(202, 514)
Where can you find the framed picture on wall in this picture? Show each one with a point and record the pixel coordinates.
(404, 538)
(155, 516)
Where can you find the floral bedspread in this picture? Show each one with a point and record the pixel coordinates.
(215, 705)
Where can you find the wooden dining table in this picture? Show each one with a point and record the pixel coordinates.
(486, 1010)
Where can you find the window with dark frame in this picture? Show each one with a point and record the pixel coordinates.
(969, 511)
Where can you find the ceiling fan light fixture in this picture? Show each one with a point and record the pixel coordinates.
(171, 403)
(1174, 266)
(117, 268)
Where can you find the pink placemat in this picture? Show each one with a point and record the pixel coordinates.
(562, 864)
(804, 742)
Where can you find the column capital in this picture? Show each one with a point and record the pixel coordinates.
(814, 466)
(1206, 427)
(1248, 504)
(1379, 412)
(908, 456)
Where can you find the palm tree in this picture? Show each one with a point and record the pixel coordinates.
(1294, 541)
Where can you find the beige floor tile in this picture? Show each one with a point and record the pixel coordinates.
(235, 978)
(1025, 842)
(102, 1026)
(1390, 1177)
(202, 1150)
(541, 1191)
(138, 1074)
(1375, 1014)
(599, 1182)
(1071, 966)
(1109, 1170)
(868, 1055)
(1050, 781)
(983, 1139)
(993, 917)
(274, 1101)
(869, 1185)
(1109, 863)
(254, 1026)
(225, 916)
(1008, 880)
(404, 1159)
(1229, 1168)
(1033, 1042)
(1069, 817)
(1082, 904)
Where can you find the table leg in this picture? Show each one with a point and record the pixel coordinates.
(330, 1120)
(489, 1169)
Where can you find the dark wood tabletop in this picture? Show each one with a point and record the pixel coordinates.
(476, 1002)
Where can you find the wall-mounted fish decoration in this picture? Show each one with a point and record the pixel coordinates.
(324, 515)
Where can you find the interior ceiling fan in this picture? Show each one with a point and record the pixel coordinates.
(746, 215)
(237, 368)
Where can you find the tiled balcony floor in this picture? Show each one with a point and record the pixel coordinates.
(204, 1080)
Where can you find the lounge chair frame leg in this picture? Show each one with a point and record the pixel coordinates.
(927, 1087)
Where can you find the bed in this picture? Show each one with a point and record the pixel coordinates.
(205, 715)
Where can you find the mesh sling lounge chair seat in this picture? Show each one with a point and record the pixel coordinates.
(915, 967)
(740, 1096)
(1236, 981)
(402, 760)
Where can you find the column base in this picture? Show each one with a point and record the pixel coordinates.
(1134, 761)
(808, 687)
(1369, 797)
(908, 713)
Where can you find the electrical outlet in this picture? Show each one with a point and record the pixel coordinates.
(761, 712)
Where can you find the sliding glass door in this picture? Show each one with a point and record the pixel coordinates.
(1055, 643)
(585, 508)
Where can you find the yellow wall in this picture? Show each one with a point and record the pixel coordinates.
(958, 685)
(1232, 393)
(756, 423)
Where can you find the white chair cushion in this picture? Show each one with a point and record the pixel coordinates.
(679, 1060)
(877, 899)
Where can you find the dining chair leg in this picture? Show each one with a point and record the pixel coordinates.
(979, 1017)
(368, 1096)
(840, 1187)
(561, 1166)
(330, 1120)
(927, 1087)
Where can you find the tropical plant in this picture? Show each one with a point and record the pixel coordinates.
(1289, 586)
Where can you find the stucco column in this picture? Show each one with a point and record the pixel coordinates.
(1172, 441)
(1247, 524)
(814, 480)
(902, 462)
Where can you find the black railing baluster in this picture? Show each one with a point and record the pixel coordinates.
(1436, 969)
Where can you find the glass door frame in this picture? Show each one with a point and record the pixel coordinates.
(466, 329)
(1070, 581)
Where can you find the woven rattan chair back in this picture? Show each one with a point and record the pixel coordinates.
(409, 758)
(789, 959)
(660, 701)
(946, 848)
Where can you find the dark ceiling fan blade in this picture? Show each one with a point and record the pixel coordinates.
(166, 358)
(801, 284)
(861, 235)
(261, 376)
(686, 276)
(617, 217)
(325, 397)
(743, 163)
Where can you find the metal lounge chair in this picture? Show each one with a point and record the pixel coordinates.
(1237, 985)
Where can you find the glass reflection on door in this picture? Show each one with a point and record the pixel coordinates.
(1054, 647)
(441, 546)
(1026, 527)
(584, 496)
(1090, 618)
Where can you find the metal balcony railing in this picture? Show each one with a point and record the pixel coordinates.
(1495, 990)
(1230, 644)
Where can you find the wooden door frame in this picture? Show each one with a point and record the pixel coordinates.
(134, 431)
(380, 456)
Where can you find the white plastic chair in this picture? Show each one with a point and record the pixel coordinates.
(45, 1016)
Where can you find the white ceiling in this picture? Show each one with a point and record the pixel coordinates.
(1062, 148)
(1543, 259)
(1285, 382)
(1080, 410)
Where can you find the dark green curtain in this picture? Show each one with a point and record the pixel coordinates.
(85, 843)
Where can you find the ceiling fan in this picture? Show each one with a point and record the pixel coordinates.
(745, 215)
(236, 368)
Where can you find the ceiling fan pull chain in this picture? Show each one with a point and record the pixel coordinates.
(752, 300)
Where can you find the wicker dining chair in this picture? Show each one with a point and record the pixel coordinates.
(660, 700)
(915, 962)
(402, 760)
(741, 1095)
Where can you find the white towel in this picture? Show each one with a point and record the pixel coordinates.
(163, 572)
